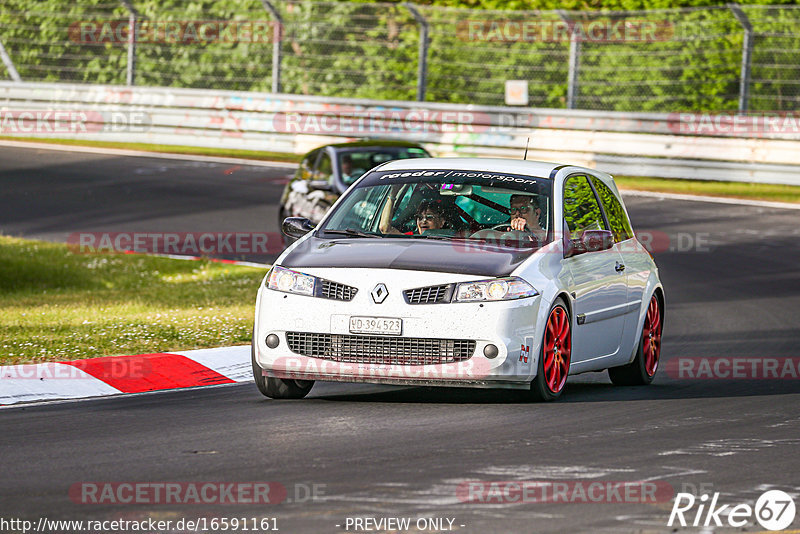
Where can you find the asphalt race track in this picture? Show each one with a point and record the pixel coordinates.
(53, 195)
(733, 290)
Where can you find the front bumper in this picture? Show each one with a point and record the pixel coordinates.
(428, 329)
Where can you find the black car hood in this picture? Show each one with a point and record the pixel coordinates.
(407, 253)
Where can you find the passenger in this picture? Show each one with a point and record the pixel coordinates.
(429, 216)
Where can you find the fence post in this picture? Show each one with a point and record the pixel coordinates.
(12, 70)
(747, 54)
(422, 54)
(131, 70)
(277, 36)
(574, 60)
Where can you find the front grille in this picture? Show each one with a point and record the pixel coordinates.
(380, 349)
(336, 291)
(429, 295)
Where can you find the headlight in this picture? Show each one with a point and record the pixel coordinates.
(496, 289)
(288, 281)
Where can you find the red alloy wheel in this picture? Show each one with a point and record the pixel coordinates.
(651, 337)
(557, 349)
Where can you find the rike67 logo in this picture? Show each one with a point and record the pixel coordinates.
(774, 510)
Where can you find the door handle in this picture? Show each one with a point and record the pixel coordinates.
(619, 267)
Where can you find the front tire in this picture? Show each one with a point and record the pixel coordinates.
(554, 357)
(277, 388)
(642, 369)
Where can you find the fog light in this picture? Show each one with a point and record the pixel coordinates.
(273, 341)
(491, 351)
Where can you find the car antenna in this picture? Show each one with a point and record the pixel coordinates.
(525, 157)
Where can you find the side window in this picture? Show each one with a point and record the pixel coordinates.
(362, 210)
(353, 164)
(324, 169)
(617, 218)
(581, 210)
(414, 153)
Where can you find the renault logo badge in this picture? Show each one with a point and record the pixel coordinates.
(379, 294)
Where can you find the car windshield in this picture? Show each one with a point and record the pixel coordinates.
(505, 209)
(354, 163)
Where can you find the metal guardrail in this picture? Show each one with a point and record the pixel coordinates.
(712, 147)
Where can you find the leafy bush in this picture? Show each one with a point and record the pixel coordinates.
(368, 50)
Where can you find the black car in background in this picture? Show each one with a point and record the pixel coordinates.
(326, 172)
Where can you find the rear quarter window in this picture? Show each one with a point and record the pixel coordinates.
(617, 218)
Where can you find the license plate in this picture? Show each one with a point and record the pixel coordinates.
(376, 325)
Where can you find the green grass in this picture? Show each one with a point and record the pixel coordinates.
(58, 305)
(772, 192)
(167, 149)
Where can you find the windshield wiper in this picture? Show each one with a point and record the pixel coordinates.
(434, 236)
(441, 237)
(351, 233)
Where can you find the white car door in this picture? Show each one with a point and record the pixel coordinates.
(638, 264)
(599, 284)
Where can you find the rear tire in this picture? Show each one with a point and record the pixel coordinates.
(642, 370)
(277, 388)
(554, 356)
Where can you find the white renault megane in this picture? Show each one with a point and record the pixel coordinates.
(462, 272)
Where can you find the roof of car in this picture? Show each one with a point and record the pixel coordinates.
(512, 166)
(375, 143)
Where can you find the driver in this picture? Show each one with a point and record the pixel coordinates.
(350, 173)
(525, 213)
(347, 168)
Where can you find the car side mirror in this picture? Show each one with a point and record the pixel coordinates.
(296, 226)
(573, 247)
(597, 240)
(320, 185)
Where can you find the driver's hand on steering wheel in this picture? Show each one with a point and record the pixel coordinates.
(518, 223)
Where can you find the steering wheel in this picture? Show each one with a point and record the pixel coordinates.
(527, 230)
(507, 233)
(505, 228)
